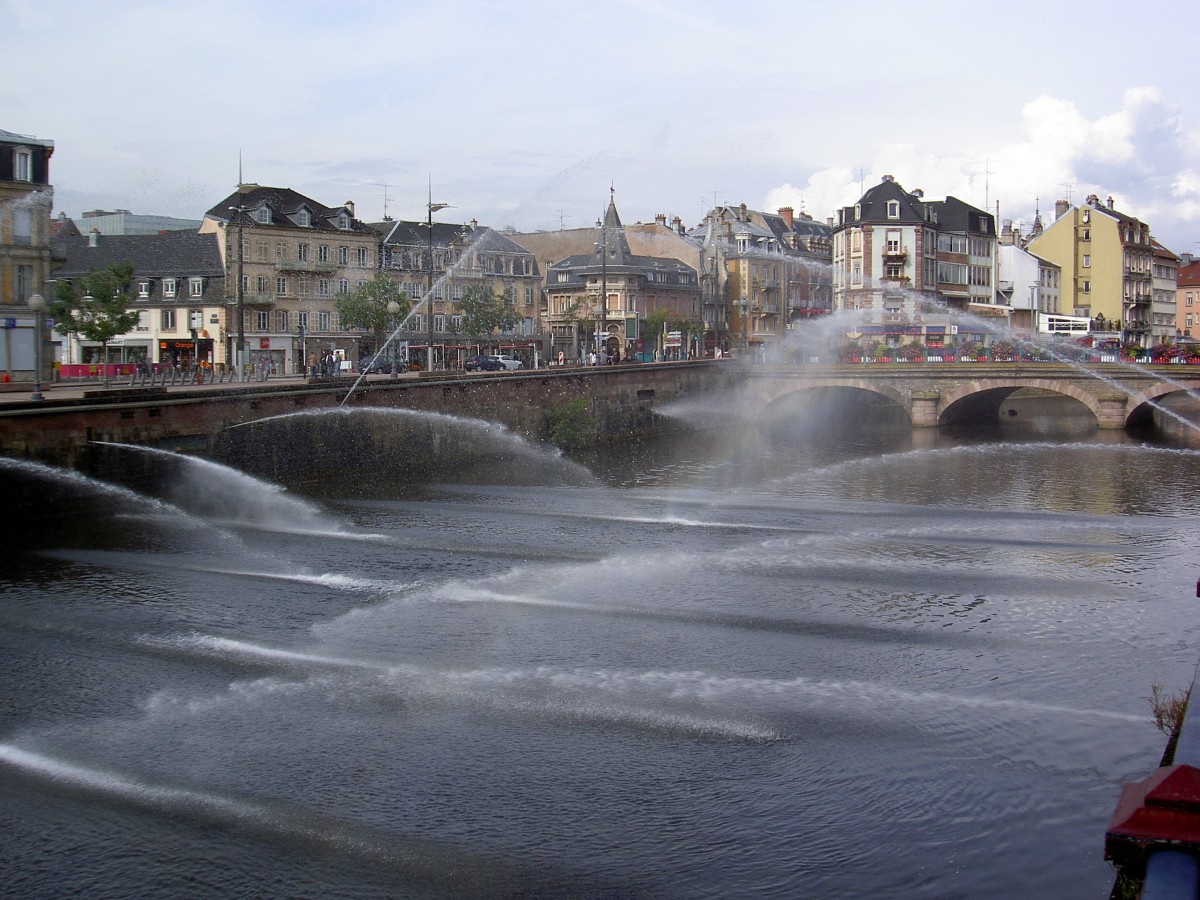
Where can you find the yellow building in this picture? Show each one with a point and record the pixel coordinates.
(1107, 261)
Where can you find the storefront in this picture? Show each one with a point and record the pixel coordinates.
(186, 353)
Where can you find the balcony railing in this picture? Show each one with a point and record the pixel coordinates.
(296, 265)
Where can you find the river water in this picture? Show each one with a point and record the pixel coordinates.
(752, 662)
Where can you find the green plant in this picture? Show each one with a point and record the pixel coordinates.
(570, 426)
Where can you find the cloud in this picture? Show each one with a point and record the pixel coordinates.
(1140, 154)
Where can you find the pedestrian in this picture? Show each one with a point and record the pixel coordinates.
(312, 365)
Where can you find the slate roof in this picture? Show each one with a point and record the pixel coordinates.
(9, 137)
(284, 203)
(175, 254)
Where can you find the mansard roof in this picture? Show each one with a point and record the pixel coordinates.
(176, 253)
(283, 203)
(9, 137)
(873, 205)
(955, 215)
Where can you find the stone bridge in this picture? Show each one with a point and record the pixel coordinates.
(935, 394)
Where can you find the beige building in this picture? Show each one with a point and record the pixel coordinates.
(287, 258)
(26, 199)
(1107, 261)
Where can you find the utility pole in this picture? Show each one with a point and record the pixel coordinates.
(431, 208)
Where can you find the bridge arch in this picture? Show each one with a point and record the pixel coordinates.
(769, 393)
(1000, 388)
(1140, 406)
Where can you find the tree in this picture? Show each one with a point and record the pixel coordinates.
(97, 306)
(366, 307)
(484, 313)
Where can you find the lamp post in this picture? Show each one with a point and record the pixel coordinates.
(393, 309)
(745, 308)
(602, 329)
(37, 303)
(431, 208)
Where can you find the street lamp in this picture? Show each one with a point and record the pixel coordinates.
(393, 309)
(37, 303)
(745, 308)
(431, 208)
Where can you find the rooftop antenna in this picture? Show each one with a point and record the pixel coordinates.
(562, 217)
(987, 172)
(385, 187)
(240, 182)
(1068, 190)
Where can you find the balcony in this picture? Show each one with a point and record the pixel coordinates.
(895, 254)
(296, 265)
(253, 298)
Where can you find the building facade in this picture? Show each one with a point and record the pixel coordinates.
(178, 293)
(1108, 261)
(1031, 287)
(26, 201)
(287, 258)
(1187, 298)
(912, 267)
(1162, 304)
(122, 221)
(448, 260)
(597, 300)
(762, 274)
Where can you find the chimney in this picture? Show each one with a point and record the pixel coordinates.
(350, 207)
(919, 193)
(678, 223)
(1110, 201)
(785, 213)
(1060, 209)
(474, 224)
(742, 213)
(94, 237)
(660, 219)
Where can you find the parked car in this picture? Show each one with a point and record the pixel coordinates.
(508, 362)
(482, 364)
(382, 364)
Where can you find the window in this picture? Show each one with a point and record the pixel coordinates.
(23, 165)
(24, 277)
(280, 250)
(281, 286)
(167, 322)
(893, 209)
(144, 290)
(322, 321)
(305, 286)
(1087, 287)
(343, 286)
(343, 255)
(196, 287)
(264, 320)
(362, 256)
(281, 320)
(262, 215)
(302, 252)
(245, 284)
(261, 284)
(528, 295)
(196, 318)
(143, 322)
(302, 320)
(170, 287)
(343, 222)
(439, 322)
(1188, 298)
(323, 253)
(260, 250)
(1087, 234)
(303, 219)
(1087, 260)
(323, 287)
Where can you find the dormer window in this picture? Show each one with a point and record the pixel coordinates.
(22, 164)
(303, 218)
(343, 222)
(857, 211)
(893, 209)
(262, 215)
(170, 287)
(143, 290)
(196, 287)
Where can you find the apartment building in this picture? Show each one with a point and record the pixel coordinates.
(1107, 260)
(450, 259)
(287, 258)
(913, 267)
(26, 200)
(1187, 298)
(178, 293)
(1164, 280)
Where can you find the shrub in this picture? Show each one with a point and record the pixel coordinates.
(570, 426)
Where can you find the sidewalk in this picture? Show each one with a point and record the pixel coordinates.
(22, 392)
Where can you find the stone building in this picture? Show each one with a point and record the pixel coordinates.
(26, 200)
(287, 258)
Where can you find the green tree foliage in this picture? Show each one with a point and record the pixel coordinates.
(97, 307)
(366, 306)
(484, 313)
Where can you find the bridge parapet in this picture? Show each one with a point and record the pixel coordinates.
(934, 394)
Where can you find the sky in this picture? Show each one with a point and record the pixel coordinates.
(527, 113)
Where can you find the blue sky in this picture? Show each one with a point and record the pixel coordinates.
(525, 113)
